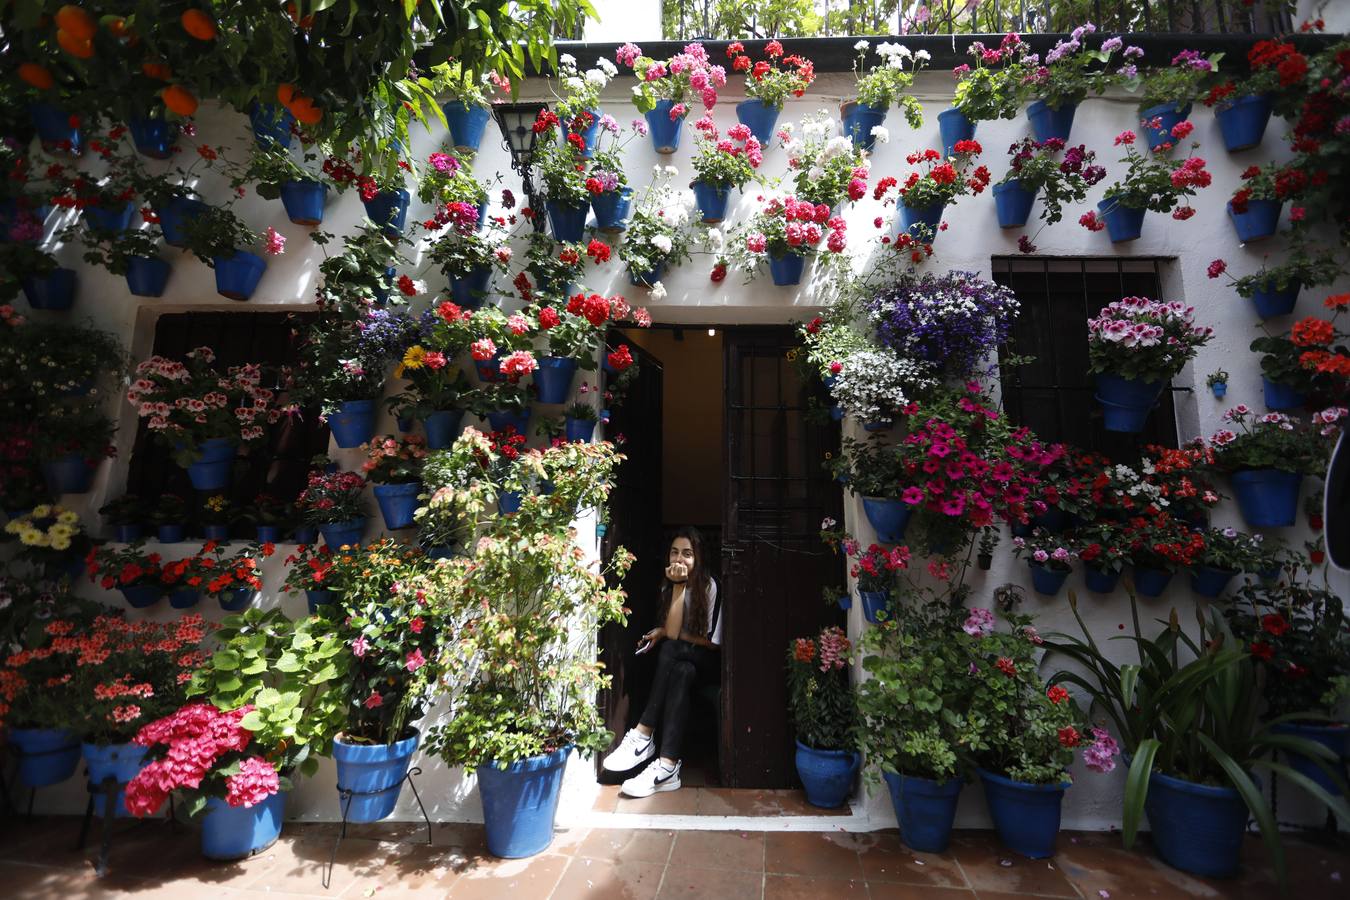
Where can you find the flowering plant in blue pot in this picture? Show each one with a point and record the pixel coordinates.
(562, 171)
(987, 89)
(667, 88)
(72, 439)
(469, 259)
(1268, 456)
(1034, 169)
(1255, 207)
(132, 254)
(659, 234)
(829, 169)
(219, 238)
(468, 112)
(275, 174)
(1304, 364)
(394, 466)
(458, 198)
(878, 89)
(1071, 70)
(435, 395)
(1050, 557)
(784, 234)
(824, 713)
(1152, 182)
(1166, 93)
(936, 182)
(768, 84)
(1274, 289)
(720, 165)
(332, 499)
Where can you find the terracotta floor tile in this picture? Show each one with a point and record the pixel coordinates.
(886, 858)
(1123, 874)
(517, 879)
(741, 851)
(832, 855)
(683, 802)
(811, 887)
(710, 884)
(298, 866)
(890, 890)
(794, 803)
(607, 799)
(596, 879)
(990, 867)
(627, 845)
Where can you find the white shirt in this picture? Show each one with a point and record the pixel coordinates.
(713, 628)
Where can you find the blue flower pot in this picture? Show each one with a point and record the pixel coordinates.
(1219, 389)
(1047, 123)
(238, 832)
(397, 503)
(271, 124)
(142, 596)
(121, 762)
(568, 222)
(665, 131)
(268, 534)
(504, 418)
(215, 532)
(237, 276)
(211, 470)
(382, 293)
(924, 809)
(554, 377)
(127, 534)
(1100, 582)
(1168, 116)
(442, 427)
(174, 217)
(306, 534)
(845, 601)
(109, 221)
(353, 424)
(47, 756)
(154, 138)
(389, 210)
(1151, 582)
(519, 803)
(881, 425)
(1271, 301)
(405, 424)
(147, 276)
(646, 279)
(184, 598)
(611, 210)
(712, 201)
(589, 132)
(1026, 815)
(787, 269)
(441, 551)
(68, 474)
(467, 124)
(1281, 396)
(888, 517)
(1126, 402)
(53, 291)
(1046, 581)
(827, 775)
(374, 774)
(1123, 223)
(1197, 828)
(1208, 581)
(170, 534)
(953, 126)
(579, 429)
(758, 117)
(489, 370)
(1013, 204)
(1260, 221)
(509, 502)
(304, 201)
(1243, 122)
(1268, 498)
(54, 128)
(921, 222)
(343, 534)
(858, 121)
(315, 599)
(1335, 736)
(876, 605)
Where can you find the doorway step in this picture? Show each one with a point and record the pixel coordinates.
(725, 809)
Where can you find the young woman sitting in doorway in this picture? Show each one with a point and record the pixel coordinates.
(688, 644)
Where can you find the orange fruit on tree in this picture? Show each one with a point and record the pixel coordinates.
(285, 93)
(76, 22)
(157, 70)
(81, 48)
(304, 110)
(37, 76)
(198, 24)
(179, 100)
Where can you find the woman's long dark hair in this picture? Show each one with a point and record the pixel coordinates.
(696, 622)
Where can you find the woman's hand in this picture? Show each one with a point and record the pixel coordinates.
(653, 636)
(677, 572)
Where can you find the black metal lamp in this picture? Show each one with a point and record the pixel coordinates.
(519, 138)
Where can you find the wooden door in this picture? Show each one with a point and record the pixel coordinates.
(774, 564)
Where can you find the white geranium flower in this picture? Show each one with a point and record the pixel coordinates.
(716, 240)
(815, 173)
(922, 56)
(607, 67)
(881, 134)
(671, 171)
(567, 61)
(573, 84)
(637, 90)
(861, 45)
(658, 291)
(597, 78)
(662, 242)
(794, 148)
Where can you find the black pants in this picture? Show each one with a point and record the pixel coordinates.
(680, 667)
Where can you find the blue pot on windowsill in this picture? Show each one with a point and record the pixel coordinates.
(467, 124)
(175, 216)
(1268, 498)
(1099, 581)
(1243, 121)
(1169, 115)
(397, 503)
(238, 832)
(664, 130)
(876, 605)
(579, 430)
(924, 809)
(501, 419)
(888, 516)
(1047, 581)
(1208, 581)
(109, 221)
(271, 125)
(1123, 223)
(568, 221)
(1126, 402)
(1271, 301)
(1260, 221)
(554, 378)
(54, 291)
(353, 423)
(1197, 828)
(711, 200)
(68, 474)
(1047, 123)
(954, 126)
(370, 776)
(612, 209)
(210, 471)
(787, 269)
(47, 756)
(147, 276)
(1025, 815)
(173, 533)
(304, 200)
(343, 534)
(184, 598)
(54, 128)
(1013, 204)
(827, 775)
(1150, 582)
(237, 276)
(859, 119)
(442, 427)
(153, 137)
(389, 210)
(316, 599)
(1281, 396)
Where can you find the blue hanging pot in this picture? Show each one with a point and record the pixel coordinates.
(397, 503)
(1123, 223)
(389, 210)
(889, 517)
(153, 137)
(315, 599)
(502, 419)
(588, 126)
(174, 217)
(127, 533)
(1208, 581)
(343, 534)
(238, 832)
(109, 221)
(211, 469)
(1100, 582)
(921, 222)
(405, 424)
(271, 124)
(370, 776)
(1243, 122)
(1268, 498)
(147, 276)
(924, 809)
(612, 209)
(68, 474)
(1197, 828)
(554, 378)
(47, 756)
(54, 291)
(237, 276)
(489, 370)
(954, 126)
(1260, 221)
(509, 502)
(567, 221)
(173, 533)
(467, 124)
(1026, 815)
(664, 130)
(304, 201)
(519, 803)
(1013, 204)
(876, 605)
(1047, 581)
(712, 201)
(1281, 396)
(1335, 736)
(387, 285)
(858, 121)
(758, 117)
(1219, 389)
(646, 279)
(470, 290)
(1047, 123)
(237, 599)
(787, 269)
(579, 430)
(268, 534)
(1169, 115)
(1151, 582)
(54, 128)
(1271, 301)
(142, 596)
(442, 427)
(184, 598)
(353, 424)
(827, 775)
(1126, 402)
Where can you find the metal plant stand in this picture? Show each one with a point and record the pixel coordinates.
(345, 798)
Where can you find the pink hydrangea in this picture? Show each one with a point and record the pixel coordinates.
(257, 780)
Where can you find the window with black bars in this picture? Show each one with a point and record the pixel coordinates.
(278, 464)
(1054, 393)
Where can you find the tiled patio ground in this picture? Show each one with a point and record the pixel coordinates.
(38, 862)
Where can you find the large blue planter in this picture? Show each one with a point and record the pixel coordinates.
(374, 774)
(470, 290)
(924, 809)
(1271, 301)
(502, 419)
(47, 755)
(554, 377)
(1243, 122)
(1335, 736)
(120, 761)
(1126, 402)
(315, 599)
(1123, 223)
(786, 269)
(237, 276)
(1013, 204)
(888, 517)
(174, 217)
(170, 534)
(353, 424)
(876, 605)
(645, 279)
(758, 117)
(54, 128)
(1047, 123)
(589, 132)
(442, 427)
(467, 124)
(712, 201)
(1100, 582)
(271, 124)
(154, 138)
(1281, 396)
(304, 201)
(1268, 498)
(953, 126)
(397, 503)
(147, 276)
(509, 502)
(211, 470)
(68, 474)
(1151, 582)
(568, 222)
(238, 832)
(519, 803)
(578, 429)
(109, 221)
(185, 598)
(665, 132)
(142, 596)
(921, 222)
(53, 291)
(1026, 815)
(1260, 221)
(127, 533)
(389, 210)
(1197, 828)
(1208, 581)
(1168, 116)
(611, 210)
(216, 532)
(859, 119)
(340, 534)
(1047, 581)
(827, 775)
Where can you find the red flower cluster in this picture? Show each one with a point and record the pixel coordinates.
(546, 120)
(598, 251)
(1291, 65)
(620, 359)
(593, 307)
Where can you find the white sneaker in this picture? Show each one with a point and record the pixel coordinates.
(634, 750)
(653, 780)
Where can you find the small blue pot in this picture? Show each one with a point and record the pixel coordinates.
(888, 517)
(568, 222)
(109, 221)
(712, 201)
(924, 809)
(1281, 396)
(554, 377)
(343, 534)
(185, 598)
(1271, 301)
(147, 276)
(876, 605)
(1219, 389)
(579, 430)
(238, 832)
(646, 279)
(758, 117)
(1026, 815)
(68, 474)
(1243, 122)
(1168, 116)
(1047, 123)
(1046, 581)
(211, 470)
(1208, 581)
(54, 291)
(501, 419)
(1197, 828)
(787, 269)
(397, 503)
(315, 599)
(271, 124)
(1100, 582)
(154, 138)
(953, 126)
(858, 121)
(1268, 498)
(1151, 582)
(612, 209)
(519, 803)
(353, 424)
(216, 532)
(467, 124)
(389, 210)
(1123, 223)
(170, 534)
(489, 370)
(509, 502)
(268, 534)
(175, 216)
(142, 596)
(1335, 736)
(1126, 402)
(305, 534)
(237, 276)
(827, 775)
(127, 534)
(665, 132)
(237, 599)
(589, 133)
(442, 427)
(382, 293)
(470, 290)
(374, 774)
(304, 201)
(929, 217)
(54, 128)
(1013, 204)
(47, 755)
(1260, 221)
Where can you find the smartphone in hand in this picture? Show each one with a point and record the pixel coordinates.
(643, 647)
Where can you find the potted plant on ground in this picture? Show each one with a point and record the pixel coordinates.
(658, 235)
(127, 515)
(828, 168)
(1167, 93)
(768, 83)
(878, 89)
(393, 465)
(1034, 169)
(983, 93)
(1274, 289)
(1151, 182)
(332, 503)
(783, 233)
(219, 239)
(824, 714)
(666, 88)
(130, 570)
(1050, 558)
(939, 180)
(720, 165)
(1267, 458)
(1070, 71)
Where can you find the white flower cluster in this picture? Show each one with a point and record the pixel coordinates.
(873, 384)
(895, 55)
(1135, 486)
